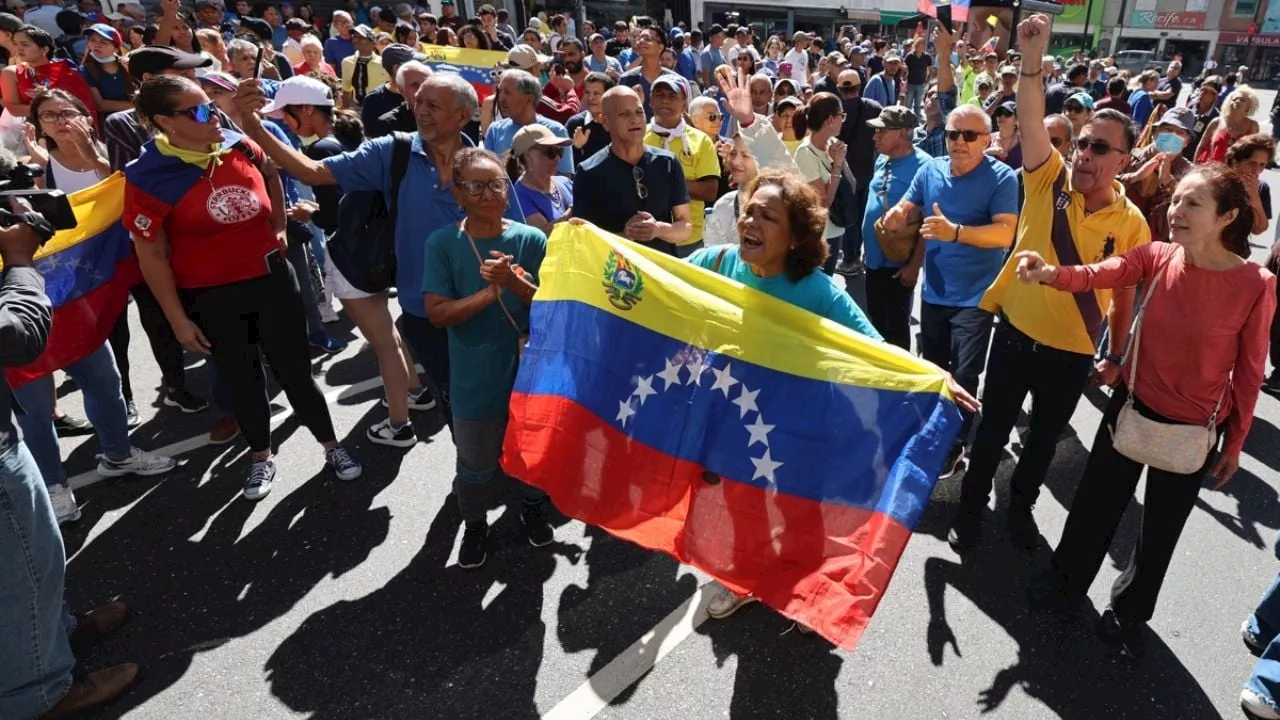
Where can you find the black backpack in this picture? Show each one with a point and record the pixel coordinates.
(363, 247)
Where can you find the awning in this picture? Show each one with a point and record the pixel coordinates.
(894, 17)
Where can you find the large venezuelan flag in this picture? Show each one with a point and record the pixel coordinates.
(785, 455)
(87, 271)
(475, 66)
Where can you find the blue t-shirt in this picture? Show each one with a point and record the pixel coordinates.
(429, 202)
(634, 78)
(626, 57)
(502, 132)
(594, 65)
(336, 49)
(955, 274)
(1140, 106)
(110, 86)
(686, 65)
(712, 58)
(552, 206)
(485, 349)
(288, 181)
(900, 173)
(816, 292)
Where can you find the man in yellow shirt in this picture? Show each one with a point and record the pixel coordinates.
(1046, 340)
(669, 96)
(362, 72)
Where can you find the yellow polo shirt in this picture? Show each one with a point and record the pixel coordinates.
(1051, 317)
(698, 159)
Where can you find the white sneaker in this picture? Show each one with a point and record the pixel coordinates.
(262, 473)
(727, 602)
(64, 504)
(1258, 707)
(327, 313)
(139, 462)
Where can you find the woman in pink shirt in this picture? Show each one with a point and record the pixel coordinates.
(1205, 334)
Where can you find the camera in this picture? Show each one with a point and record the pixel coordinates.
(17, 180)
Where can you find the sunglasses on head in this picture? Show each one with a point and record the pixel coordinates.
(1097, 147)
(968, 135)
(199, 113)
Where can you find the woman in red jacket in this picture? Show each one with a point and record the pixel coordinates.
(1203, 344)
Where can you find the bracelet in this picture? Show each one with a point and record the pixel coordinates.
(1112, 357)
(1031, 74)
(958, 229)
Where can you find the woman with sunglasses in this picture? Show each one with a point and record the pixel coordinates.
(1004, 141)
(206, 211)
(62, 140)
(545, 197)
(820, 156)
(479, 278)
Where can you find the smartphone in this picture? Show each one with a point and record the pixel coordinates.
(54, 205)
(559, 69)
(944, 17)
(257, 65)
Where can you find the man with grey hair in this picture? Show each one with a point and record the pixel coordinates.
(442, 106)
(518, 95)
(409, 77)
(340, 46)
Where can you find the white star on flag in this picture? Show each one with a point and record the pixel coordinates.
(644, 388)
(625, 411)
(671, 375)
(72, 263)
(746, 402)
(765, 467)
(759, 432)
(724, 379)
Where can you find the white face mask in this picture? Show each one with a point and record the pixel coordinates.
(106, 58)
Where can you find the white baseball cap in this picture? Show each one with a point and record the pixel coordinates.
(298, 90)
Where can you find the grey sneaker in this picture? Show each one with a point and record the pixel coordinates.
(344, 466)
(139, 462)
(262, 473)
(727, 602)
(64, 504)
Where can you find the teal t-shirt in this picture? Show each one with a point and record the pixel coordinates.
(484, 350)
(816, 292)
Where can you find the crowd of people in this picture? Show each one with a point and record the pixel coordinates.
(1051, 214)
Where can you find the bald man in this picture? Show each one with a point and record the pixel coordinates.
(633, 190)
(761, 89)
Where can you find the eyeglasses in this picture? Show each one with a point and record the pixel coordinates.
(968, 135)
(1097, 147)
(199, 113)
(64, 116)
(476, 188)
(637, 174)
(552, 152)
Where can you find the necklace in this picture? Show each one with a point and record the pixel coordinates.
(553, 194)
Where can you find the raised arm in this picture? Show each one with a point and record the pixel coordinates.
(1033, 40)
(307, 171)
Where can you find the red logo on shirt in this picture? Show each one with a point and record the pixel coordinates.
(233, 204)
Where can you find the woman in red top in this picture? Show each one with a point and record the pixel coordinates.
(1235, 122)
(38, 71)
(1204, 338)
(206, 211)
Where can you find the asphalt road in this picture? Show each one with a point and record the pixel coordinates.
(342, 600)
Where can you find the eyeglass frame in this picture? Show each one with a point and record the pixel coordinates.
(192, 112)
(637, 174)
(497, 186)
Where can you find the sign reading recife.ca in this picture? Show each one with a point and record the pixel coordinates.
(1167, 20)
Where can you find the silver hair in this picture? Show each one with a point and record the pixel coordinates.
(411, 66)
(526, 84)
(973, 111)
(342, 14)
(700, 102)
(463, 93)
(240, 45)
(311, 41)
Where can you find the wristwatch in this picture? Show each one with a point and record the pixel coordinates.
(1113, 358)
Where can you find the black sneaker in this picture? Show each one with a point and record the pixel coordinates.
(131, 419)
(850, 268)
(72, 426)
(1125, 637)
(384, 433)
(953, 464)
(536, 528)
(965, 532)
(474, 550)
(1271, 385)
(1023, 530)
(187, 403)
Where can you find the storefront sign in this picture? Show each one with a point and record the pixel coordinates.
(1238, 38)
(1167, 20)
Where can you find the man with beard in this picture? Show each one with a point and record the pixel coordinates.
(574, 55)
(632, 189)
(1045, 341)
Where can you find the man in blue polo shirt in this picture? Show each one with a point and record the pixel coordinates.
(968, 202)
(519, 94)
(443, 106)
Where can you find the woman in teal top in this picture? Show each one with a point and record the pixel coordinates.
(780, 253)
(780, 234)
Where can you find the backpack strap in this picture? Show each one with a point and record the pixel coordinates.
(1064, 245)
(400, 151)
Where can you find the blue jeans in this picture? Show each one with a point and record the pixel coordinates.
(299, 256)
(479, 445)
(956, 339)
(915, 99)
(1264, 623)
(99, 381)
(35, 668)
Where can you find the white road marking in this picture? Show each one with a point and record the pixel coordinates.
(600, 689)
(181, 447)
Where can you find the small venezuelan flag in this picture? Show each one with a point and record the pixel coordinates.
(785, 455)
(475, 66)
(88, 272)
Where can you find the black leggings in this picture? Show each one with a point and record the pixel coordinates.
(265, 313)
(165, 347)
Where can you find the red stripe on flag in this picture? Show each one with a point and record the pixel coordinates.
(82, 325)
(823, 565)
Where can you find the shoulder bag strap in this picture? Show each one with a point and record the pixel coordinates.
(462, 227)
(715, 268)
(1064, 245)
(400, 151)
(1135, 331)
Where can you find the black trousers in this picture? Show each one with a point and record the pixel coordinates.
(1055, 379)
(889, 306)
(1104, 492)
(429, 346)
(265, 313)
(165, 347)
(956, 339)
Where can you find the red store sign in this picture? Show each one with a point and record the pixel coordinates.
(1239, 38)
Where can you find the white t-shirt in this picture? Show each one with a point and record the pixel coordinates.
(815, 164)
(45, 18)
(799, 60)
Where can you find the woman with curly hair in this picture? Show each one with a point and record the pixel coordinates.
(473, 38)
